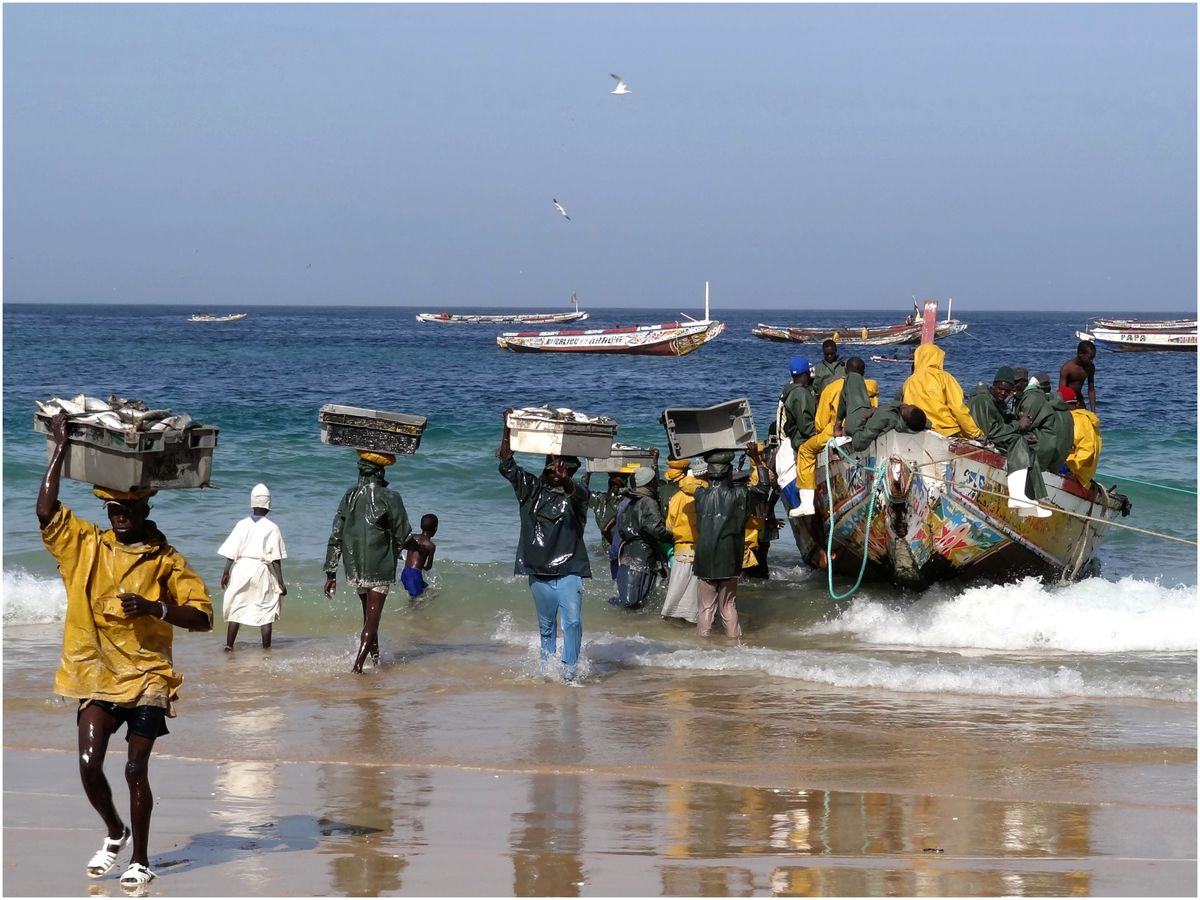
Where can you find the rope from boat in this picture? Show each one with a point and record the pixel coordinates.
(1067, 512)
(1165, 487)
(877, 472)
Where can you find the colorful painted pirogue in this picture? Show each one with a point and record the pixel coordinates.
(1142, 335)
(666, 339)
(941, 511)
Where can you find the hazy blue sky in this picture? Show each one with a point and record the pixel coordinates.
(795, 156)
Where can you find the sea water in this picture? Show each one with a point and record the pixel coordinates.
(945, 657)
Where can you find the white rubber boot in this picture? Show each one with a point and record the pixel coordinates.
(806, 507)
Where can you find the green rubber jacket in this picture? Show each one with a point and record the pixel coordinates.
(370, 529)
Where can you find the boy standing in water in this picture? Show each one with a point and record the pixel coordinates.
(127, 591)
(420, 557)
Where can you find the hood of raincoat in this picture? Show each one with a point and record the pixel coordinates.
(929, 356)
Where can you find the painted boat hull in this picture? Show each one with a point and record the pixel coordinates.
(668, 339)
(875, 337)
(515, 319)
(933, 522)
(1125, 341)
(1145, 324)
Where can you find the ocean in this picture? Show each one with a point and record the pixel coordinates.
(1106, 662)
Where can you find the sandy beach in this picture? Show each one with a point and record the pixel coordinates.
(844, 796)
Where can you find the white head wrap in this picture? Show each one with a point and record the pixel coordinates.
(260, 497)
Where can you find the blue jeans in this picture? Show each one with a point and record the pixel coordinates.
(559, 598)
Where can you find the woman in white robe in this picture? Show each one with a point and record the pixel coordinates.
(253, 576)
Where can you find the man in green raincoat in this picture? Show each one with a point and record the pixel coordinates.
(797, 404)
(829, 369)
(863, 422)
(988, 407)
(641, 531)
(722, 508)
(370, 531)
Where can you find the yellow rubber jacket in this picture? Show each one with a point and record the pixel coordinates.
(935, 391)
(1085, 454)
(681, 520)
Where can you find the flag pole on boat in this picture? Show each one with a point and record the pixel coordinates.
(706, 301)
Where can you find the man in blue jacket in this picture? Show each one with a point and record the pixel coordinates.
(551, 549)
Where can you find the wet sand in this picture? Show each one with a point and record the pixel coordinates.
(746, 818)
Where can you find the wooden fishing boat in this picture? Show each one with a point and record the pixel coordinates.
(921, 326)
(444, 318)
(1146, 324)
(1141, 336)
(861, 336)
(664, 339)
(231, 317)
(941, 511)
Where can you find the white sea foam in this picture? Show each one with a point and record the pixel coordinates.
(32, 599)
(1090, 616)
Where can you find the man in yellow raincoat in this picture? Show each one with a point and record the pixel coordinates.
(1085, 449)
(938, 394)
(823, 427)
(127, 591)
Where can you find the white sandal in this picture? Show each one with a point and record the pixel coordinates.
(106, 857)
(136, 875)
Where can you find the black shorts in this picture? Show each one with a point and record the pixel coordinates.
(144, 721)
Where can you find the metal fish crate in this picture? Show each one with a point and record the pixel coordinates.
(623, 458)
(370, 429)
(546, 431)
(125, 459)
(692, 431)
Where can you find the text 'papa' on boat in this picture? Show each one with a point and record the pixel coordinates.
(444, 318)
(911, 331)
(1141, 335)
(662, 339)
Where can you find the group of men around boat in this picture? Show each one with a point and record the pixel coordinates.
(128, 589)
(1037, 429)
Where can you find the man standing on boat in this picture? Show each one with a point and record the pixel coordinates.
(824, 423)
(829, 369)
(797, 404)
(1082, 368)
(550, 550)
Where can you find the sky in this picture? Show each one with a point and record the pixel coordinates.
(795, 156)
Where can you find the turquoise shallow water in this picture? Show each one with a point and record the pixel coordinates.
(262, 380)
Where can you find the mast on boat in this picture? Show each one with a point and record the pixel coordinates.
(706, 301)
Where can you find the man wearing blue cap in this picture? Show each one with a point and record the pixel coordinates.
(797, 404)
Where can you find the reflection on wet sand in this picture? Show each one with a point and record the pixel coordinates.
(546, 840)
(380, 822)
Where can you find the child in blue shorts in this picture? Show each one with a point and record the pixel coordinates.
(420, 557)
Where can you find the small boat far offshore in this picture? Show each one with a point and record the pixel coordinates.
(230, 317)
(662, 339)
(444, 318)
(1141, 335)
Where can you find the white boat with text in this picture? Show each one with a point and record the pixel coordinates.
(1141, 335)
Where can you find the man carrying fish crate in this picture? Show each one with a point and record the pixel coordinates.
(127, 591)
(370, 531)
(551, 551)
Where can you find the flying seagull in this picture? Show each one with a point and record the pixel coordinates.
(558, 206)
(621, 87)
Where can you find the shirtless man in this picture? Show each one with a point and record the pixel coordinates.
(1075, 371)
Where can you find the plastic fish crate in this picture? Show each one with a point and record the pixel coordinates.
(692, 431)
(126, 460)
(546, 433)
(370, 429)
(623, 458)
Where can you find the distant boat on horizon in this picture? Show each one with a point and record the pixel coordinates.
(229, 317)
(444, 318)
